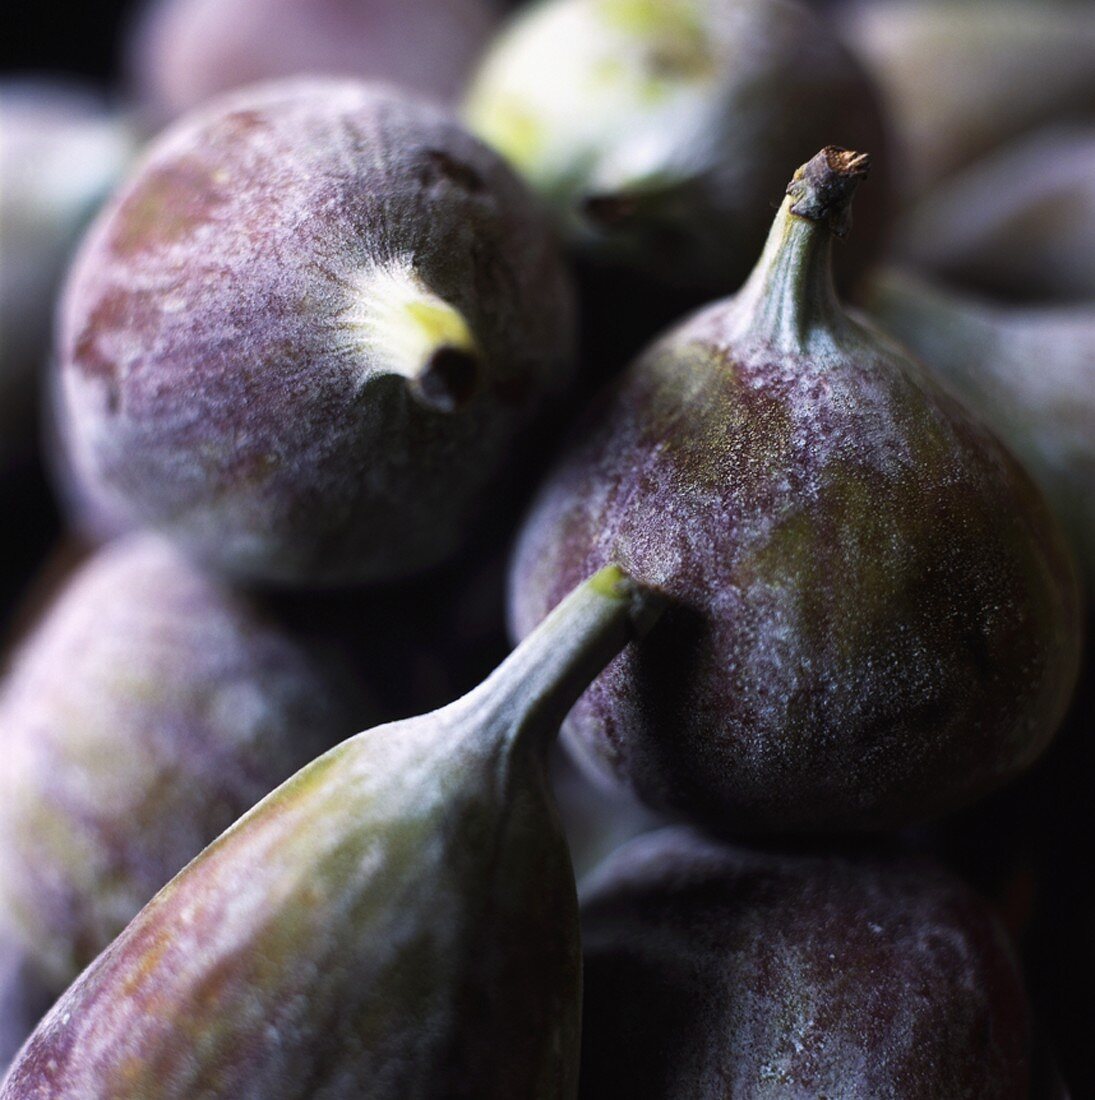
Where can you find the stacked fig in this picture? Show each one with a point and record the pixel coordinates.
(416, 334)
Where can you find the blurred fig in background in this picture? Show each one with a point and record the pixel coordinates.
(61, 151)
(182, 52)
(308, 335)
(660, 131)
(876, 618)
(961, 78)
(149, 708)
(1019, 224)
(1029, 372)
(25, 994)
(713, 971)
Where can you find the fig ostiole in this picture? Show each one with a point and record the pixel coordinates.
(715, 971)
(1028, 370)
(398, 919)
(308, 335)
(147, 709)
(875, 616)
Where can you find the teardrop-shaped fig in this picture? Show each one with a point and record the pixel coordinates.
(713, 972)
(308, 333)
(875, 616)
(147, 710)
(1030, 372)
(660, 130)
(398, 920)
(183, 52)
(959, 79)
(1019, 224)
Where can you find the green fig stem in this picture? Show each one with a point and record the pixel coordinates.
(789, 299)
(410, 331)
(536, 686)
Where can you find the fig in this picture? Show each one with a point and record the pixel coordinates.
(660, 130)
(61, 149)
(1019, 224)
(183, 52)
(397, 920)
(1030, 372)
(961, 79)
(147, 710)
(307, 335)
(875, 616)
(714, 971)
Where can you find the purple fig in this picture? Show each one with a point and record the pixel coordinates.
(713, 972)
(1019, 224)
(961, 78)
(149, 708)
(660, 130)
(876, 618)
(307, 335)
(1030, 372)
(183, 52)
(60, 152)
(397, 920)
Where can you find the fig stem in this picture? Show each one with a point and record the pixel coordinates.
(540, 681)
(789, 299)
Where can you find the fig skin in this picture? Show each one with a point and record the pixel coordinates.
(147, 710)
(713, 971)
(876, 618)
(397, 920)
(61, 150)
(660, 131)
(961, 79)
(1017, 225)
(1030, 372)
(181, 53)
(307, 335)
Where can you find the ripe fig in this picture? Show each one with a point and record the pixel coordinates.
(961, 79)
(149, 708)
(183, 52)
(306, 336)
(660, 130)
(1019, 224)
(1030, 372)
(875, 619)
(713, 971)
(397, 920)
(61, 150)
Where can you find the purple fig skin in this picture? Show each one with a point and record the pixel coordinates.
(713, 972)
(1028, 371)
(876, 618)
(228, 369)
(183, 52)
(397, 920)
(149, 708)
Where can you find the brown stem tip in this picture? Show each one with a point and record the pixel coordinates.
(823, 187)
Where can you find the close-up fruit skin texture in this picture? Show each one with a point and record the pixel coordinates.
(148, 708)
(305, 337)
(876, 618)
(660, 131)
(397, 920)
(715, 971)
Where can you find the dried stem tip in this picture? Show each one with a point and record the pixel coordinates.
(823, 187)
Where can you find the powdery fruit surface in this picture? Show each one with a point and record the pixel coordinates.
(876, 617)
(713, 972)
(216, 380)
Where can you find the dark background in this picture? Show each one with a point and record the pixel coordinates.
(60, 36)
